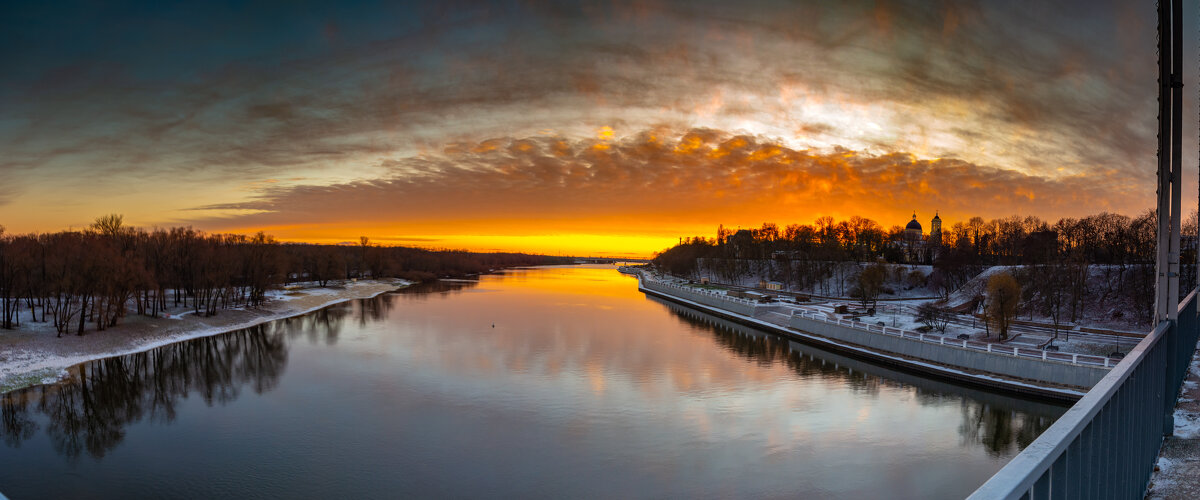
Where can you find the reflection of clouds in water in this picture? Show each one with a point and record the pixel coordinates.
(635, 354)
(674, 398)
(581, 304)
(988, 420)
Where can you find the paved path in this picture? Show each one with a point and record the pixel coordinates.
(1177, 474)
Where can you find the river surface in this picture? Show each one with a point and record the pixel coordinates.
(561, 382)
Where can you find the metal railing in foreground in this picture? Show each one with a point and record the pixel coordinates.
(1106, 445)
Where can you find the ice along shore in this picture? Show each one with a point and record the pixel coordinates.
(33, 354)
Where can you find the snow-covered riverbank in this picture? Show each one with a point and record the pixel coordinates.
(32, 354)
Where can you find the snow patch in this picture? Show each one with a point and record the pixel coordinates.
(23, 368)
(1164, 475)
(1187, 425)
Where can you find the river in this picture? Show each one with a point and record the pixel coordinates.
(561, 382)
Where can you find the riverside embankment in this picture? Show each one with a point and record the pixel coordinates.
(34, 354)
(1025, 371)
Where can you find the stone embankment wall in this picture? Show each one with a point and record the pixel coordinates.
(1006, 364)
(714, 299)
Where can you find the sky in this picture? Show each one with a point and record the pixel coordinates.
(587, 128)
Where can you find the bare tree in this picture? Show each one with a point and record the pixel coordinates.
(1003, 296)
(934, 317)
(869, 284)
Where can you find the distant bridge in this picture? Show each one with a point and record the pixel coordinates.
(609, 260)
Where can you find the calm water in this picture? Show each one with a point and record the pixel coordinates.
(582, 388)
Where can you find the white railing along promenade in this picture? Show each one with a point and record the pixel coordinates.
(988, 347)
(998, 349)
(701, 291)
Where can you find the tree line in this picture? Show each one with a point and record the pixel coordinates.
(1056, 258)
(96, 276)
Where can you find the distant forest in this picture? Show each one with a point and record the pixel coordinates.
(1061, 254)
(73, 278)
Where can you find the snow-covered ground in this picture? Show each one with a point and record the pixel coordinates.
(33, 353)
(839, 282)
(898, 309)
(1105, 305)
(770, 325)
(973, 288)
(903, 315)
(1177, 473)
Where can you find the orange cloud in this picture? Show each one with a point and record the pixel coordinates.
(640, 193)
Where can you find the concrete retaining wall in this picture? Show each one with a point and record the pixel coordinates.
(714, 299)
(1026, 368)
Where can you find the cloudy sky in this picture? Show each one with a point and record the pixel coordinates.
(590, 127)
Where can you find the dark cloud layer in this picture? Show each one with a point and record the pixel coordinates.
(691, 178)
(392, 101)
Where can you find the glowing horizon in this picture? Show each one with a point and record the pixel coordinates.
(578, 129)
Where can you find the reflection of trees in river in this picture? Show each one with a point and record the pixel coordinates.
(1002, 432)
(767, 350)
(89, 412)
(436, 288)
(1002, 425)
(323, 324)
(15, 424)
(374, 309)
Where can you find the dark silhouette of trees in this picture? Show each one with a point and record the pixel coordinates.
(91, 279)
(1104, 262)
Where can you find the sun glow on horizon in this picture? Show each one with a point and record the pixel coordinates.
(573, 244)
(601, 137)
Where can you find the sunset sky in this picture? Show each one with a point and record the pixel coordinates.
(599, 128)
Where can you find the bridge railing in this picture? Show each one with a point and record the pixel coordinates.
(1107, 444)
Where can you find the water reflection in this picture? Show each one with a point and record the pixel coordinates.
(1001, 431)
(543, 383)
(988, 419)
(17, 425)
(440, 288)
(89, 412)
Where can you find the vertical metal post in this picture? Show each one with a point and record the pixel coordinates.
(1169, 345)
(1164, 160)
(1176, 157)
